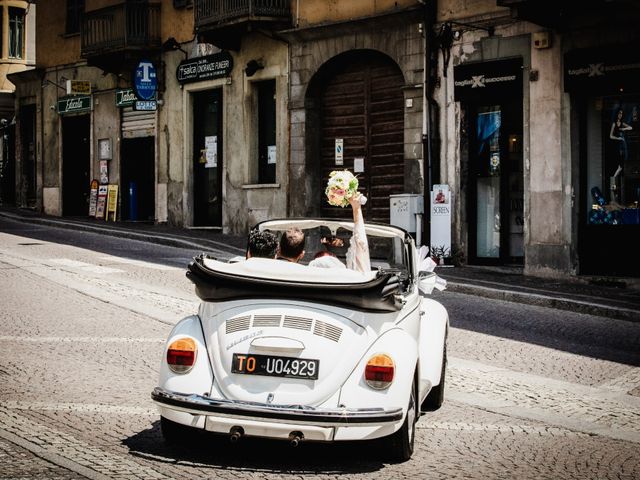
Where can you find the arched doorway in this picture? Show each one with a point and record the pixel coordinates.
(357, 97)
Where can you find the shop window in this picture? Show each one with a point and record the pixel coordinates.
(75, 9)
(16, 32)
(613, 170)
(266, 100)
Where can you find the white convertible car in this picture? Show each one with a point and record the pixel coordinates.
(289, 351)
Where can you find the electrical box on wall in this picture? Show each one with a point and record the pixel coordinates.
(542, 39)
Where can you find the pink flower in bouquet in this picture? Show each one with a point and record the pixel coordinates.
(341, 187)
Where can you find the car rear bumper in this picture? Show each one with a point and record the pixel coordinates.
(298, 414)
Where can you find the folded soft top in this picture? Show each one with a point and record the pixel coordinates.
(265, 278)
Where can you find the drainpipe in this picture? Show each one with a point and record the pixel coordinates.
(429, 7)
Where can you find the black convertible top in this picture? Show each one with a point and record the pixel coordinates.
(376, 295)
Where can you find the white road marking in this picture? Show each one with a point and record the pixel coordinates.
(576, 407)
(85, 267)
(81, 408)
(136, 263)
(8, 338)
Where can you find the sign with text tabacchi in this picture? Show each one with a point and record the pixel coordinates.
(76, 104)
(205, 68)
(145, 80)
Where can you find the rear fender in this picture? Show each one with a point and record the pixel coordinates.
(402, 348)
(200, 378)
(434, 321)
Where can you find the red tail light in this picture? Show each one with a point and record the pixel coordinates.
(379, 371)
(181, 355)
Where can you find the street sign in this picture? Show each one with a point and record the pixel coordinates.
(78, 87)
(339, 151)
(205, 68)
(145, 80)
(75, 104)
(146, 105)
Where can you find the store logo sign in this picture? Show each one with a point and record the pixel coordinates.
(74, 104)
(596, 69)
(477, 81)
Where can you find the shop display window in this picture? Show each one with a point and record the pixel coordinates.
(613, 170)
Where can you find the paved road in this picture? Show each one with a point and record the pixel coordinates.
(532, 392)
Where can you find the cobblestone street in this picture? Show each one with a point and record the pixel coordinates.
(531, 392)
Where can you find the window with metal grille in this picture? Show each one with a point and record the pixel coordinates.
(16, 32)
(75, 9)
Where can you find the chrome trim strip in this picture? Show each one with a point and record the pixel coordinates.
(200, 405)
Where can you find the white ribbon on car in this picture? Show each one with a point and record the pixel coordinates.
(425, 263)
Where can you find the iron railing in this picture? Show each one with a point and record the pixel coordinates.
(221, 12)
(125, 26)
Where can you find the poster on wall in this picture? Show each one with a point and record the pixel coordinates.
(93, 198)
(104, 172)
(271, 154)
(211, 151)
(441, 219)
(102, 201)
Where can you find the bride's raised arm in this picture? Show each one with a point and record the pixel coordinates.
(358, 253)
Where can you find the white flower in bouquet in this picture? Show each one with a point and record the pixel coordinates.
(341, 187)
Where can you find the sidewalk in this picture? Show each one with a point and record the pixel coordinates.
(614, 298)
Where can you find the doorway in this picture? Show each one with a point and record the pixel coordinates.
(207, 158)
(496, 183)
(137, 167)
(360, 107)
(76, 166)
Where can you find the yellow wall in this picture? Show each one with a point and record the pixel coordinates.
(327, 11)
(54, 48)
(456, 9)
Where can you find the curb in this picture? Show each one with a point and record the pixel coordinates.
(161, 239)
(548, 301)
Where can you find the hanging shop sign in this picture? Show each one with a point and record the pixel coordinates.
(205, 68)
(480, 80)
(78, 87)
(613, 69)
(145, 80)
(126, 97)
(75, 104)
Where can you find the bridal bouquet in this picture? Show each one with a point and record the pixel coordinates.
(341, 187)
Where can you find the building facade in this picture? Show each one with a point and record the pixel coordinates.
(526, 110)
(539, 133)
(17, 54)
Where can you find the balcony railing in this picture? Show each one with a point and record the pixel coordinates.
(120, 28)
(211, 13)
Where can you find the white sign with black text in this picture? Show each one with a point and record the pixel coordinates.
(441, 207)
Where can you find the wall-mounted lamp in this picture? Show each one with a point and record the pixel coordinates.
(252, 67)
(173, 44)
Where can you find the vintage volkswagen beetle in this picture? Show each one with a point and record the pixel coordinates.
(290, 351)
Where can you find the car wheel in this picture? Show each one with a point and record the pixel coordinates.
(436, 396)
(172, 432)
(401, 442)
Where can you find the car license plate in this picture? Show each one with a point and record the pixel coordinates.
(273, 366)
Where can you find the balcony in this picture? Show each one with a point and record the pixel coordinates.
(223, 22)
(114, 34)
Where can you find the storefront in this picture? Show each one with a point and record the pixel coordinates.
(490, 94)
(604, 84)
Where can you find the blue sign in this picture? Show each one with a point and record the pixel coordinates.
(145, 80)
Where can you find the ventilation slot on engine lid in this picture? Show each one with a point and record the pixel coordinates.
(323, 329)
(266, 320)
(237, 324)
(299, 323)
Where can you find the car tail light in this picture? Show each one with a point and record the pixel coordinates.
(181, 355)
(379, 371)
